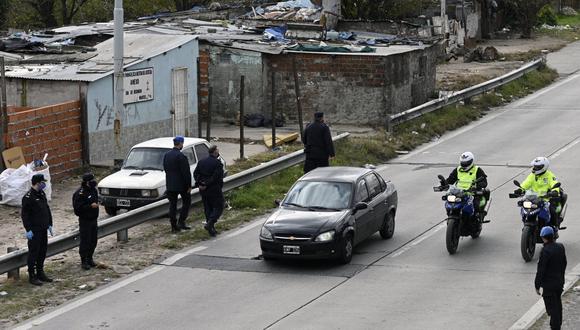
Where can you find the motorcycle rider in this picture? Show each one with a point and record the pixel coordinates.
(542, 182)
(466, 175)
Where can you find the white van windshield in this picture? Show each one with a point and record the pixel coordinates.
(146, 159)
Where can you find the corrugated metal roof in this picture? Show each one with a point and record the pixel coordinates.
(138, 48)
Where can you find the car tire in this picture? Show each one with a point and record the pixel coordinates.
(346, 249)
(388, 228)
(112, 211)
(267, 258)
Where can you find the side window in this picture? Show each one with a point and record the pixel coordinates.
(202, 151)
(373, 184)
(190, 155)
(362, 194)
(383, 183)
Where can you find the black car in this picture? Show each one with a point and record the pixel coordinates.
(327, 212)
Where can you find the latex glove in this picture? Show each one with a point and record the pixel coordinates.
(50, 231)
(29, 234)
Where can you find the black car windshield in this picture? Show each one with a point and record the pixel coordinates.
(146, 159)
(320, 195)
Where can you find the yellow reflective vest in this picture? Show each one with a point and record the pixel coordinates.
(540, 184)
(465, 179)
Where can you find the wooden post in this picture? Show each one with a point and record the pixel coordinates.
(208, 127)
(298, 101)
(15, 273)
(199, 114)
(242, 85)
(273, 110)
(4, 109)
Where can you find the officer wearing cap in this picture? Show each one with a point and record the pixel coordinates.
(178, 182)
(550, 276)
(318, 145)
(37, 221)
(86, 207)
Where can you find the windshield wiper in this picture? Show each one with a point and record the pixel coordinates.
(323, 208)
(130, 167)
(294, 204)
(151, 168)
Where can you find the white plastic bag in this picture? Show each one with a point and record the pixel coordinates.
(15, 183)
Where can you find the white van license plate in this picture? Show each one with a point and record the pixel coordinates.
(123, 202)
(291, 249)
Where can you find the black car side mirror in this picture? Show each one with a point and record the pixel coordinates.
(277, 202)
(360, 206)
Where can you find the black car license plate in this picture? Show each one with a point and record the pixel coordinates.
(291, 249)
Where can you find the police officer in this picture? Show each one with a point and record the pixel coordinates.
(318, 145)
(37, 220)
(550, 276)
(209, 177)
(178, 181)
(86, 207)
(542, 182)
(466, 175)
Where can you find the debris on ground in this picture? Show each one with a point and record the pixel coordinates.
(122, 269)
(480, 54)
(568, 11)
(280, 139)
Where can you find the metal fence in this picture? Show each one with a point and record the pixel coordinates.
(467, 93)
(121, 223)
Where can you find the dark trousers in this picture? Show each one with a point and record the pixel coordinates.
(213, 207)
(88, 244)
(553, 304)
(37, 251)
(310, 164)
(186, 203)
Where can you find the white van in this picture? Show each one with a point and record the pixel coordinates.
(141, 180)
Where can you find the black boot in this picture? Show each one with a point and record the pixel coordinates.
(32, 279)
(42, 276)
(91, 262)
(210, 229)
(183, 226)
(85, 264)
(175, 228)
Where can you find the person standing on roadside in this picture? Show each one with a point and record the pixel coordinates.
(37, 221)
(86, 207)
(318, 145)
(178, 181)
(209, 177)
(550, 276)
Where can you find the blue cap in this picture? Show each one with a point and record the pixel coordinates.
(547, 231)
(178, 139)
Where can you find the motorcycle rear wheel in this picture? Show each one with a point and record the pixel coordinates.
(452, 235)
(528, 243)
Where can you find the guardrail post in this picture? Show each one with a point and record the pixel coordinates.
(15, 273)
(389, 124)
(123, 235)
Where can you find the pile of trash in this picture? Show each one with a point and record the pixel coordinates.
(296, 10)
(555, 27)
(16, 182)
(480, 54)
(569, 11)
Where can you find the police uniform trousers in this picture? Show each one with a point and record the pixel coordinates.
(213, 207)
(186, 203)
(553, 302)
(37, 251)
(311, 164)
(88, 234)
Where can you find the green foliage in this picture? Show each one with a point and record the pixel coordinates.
(569, 20)
(547, 15)
(371, 9)
(524, 13)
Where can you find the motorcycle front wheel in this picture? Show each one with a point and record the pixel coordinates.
(528, 243)
(452, 235)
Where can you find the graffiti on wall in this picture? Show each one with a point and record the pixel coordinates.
(106, 115)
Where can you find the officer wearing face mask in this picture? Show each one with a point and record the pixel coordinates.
(37, 221)
(86, 207)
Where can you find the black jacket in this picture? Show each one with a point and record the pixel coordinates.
(452, 179)
(551, 269)
(209, 173)
(318, 141)
(82, 200)
(177, 172)
(36, 214)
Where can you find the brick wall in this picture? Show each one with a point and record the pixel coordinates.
(353, 89)
(55, 130)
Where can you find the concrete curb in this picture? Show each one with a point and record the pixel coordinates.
(538, 310)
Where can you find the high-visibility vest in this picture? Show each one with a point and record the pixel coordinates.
(465, 179)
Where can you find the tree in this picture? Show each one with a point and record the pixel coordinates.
(3, 14)
(45, 10)
(69, 9)
(527, 13)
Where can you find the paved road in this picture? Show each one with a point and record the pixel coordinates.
(408, 282)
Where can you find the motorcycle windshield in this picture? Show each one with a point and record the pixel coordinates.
(532, 196)
(455, 191)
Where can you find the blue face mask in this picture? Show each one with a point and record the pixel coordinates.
(42, 186)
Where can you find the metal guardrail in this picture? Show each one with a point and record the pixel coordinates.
(467, 93)
(158, 209)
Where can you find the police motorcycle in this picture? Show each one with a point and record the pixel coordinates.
(462, 217)
(535, 213)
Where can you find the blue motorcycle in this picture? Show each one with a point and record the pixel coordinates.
(535, 213)
(463, 219)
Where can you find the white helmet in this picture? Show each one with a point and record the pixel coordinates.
(540, 165)
(466, 160)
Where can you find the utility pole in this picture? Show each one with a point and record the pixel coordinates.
(443, 18)
(4, 108)
(118, 77)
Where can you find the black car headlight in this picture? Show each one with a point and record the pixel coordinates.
(325, 237)
(265, 233)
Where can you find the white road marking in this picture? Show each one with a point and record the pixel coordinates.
(244, 229)
(418, 240)
(538, 310)
(173, 259)
(566, 148)
(86, 299)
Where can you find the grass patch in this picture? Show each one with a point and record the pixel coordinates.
(569, 20)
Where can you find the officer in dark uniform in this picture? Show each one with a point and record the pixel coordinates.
(318, 145)
(550, 276)
(37, 221)
(209, 177)
(178, 182)
(86, 207)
